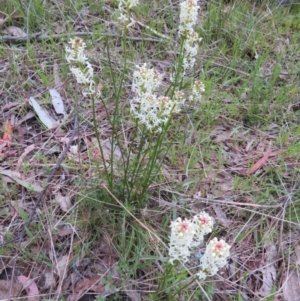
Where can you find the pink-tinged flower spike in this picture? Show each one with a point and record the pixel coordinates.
(197, 90)
(214, 258)
(203, 225)
(188, 19)
(182, 233)
(80, 66)
(190, 49)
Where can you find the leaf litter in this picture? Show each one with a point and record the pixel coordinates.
(244, 158)
(30, 287)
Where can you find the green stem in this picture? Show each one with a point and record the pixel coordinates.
(139, 159)
(178, 71)
(182, 288)
(154, 157)
(108, 177)
(164, 278)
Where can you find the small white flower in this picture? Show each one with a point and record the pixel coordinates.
(124, 7)
(188, 19)
(198, 87)
(123, 18)
(204, 222)
(128, 3)
(201, 275)
(75, 53)
(179, 101)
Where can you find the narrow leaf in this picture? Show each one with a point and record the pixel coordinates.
(43, 114)
(23, 183)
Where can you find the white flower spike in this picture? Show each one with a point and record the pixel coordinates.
(204, 225)
(214, 258)
(147, 107)
(187, 234)
(188, 16)
(80, 66)
(182, 233)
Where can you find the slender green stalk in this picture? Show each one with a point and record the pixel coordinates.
(181, 289)
(109, 177)
(178, 72)
(163, 278)
(128, 161)
(154, 157)
(117, 91)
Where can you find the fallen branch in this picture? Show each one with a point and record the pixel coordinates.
(45, 37)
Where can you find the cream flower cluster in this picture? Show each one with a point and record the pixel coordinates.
(187, 234)
(182, 235)
(190, 49)
(147, 107)
(188, 18)
(80, 66)
(214, 258)
(203, 225)
(197, 90)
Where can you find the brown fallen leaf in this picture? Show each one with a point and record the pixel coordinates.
(86, 285)
(47, 279)
(8, 153)
(291, 286)
(259, 163)
(43, 114)
(7, 135)
(291, 280)
(29, 115)
(31, 288)
(61, 267)
(221, 216)
(5, 290)
(11, 16)
(95, 151)
(90, 284)
(16, 177)
(269, 268)
(15, 31)
(57, 102)
(63, 201)
(10, 105)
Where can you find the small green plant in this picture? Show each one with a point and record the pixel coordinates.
(152, 110)
(141, 158)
